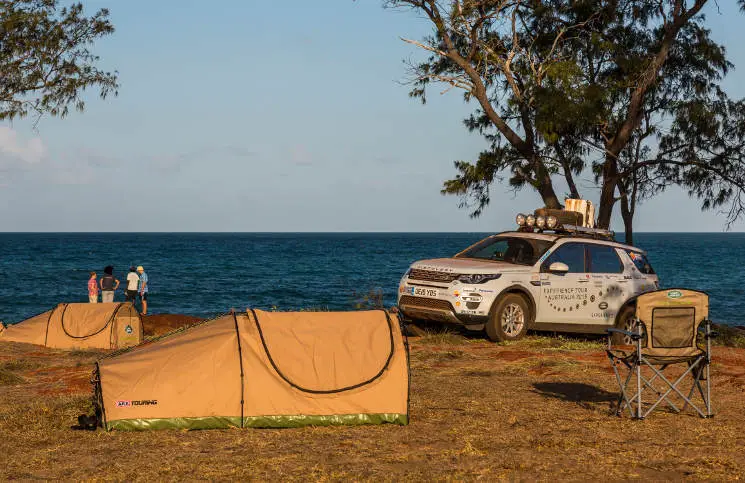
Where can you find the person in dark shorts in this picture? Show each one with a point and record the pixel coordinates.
(132, 281)
(108, 284)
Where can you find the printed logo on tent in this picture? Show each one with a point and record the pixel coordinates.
(145, 402)
(141, 402)
(128, 329)
(674, 294)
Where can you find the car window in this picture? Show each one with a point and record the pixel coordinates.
(573, 254)
(641, 262)
(604, 259)
(508, 249)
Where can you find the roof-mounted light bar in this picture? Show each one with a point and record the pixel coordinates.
(552, 222)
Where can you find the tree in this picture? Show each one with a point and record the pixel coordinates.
(646, 119)
(487, 49)
(46, 60)
(579, 79)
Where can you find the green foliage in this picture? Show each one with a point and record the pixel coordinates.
(46, 59)
(629, 90)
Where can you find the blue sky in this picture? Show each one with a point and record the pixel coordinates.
(271, 116)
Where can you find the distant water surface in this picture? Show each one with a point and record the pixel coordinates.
(205, 274)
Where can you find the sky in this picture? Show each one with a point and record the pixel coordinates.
(247, 116)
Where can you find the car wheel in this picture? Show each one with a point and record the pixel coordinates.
(509, 319)
(627, 321)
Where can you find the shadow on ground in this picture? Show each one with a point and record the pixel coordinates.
(585, 395)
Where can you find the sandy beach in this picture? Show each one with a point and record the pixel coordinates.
(540, 406)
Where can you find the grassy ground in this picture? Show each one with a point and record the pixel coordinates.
(539, 408)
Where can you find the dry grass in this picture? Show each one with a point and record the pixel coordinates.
(537, 409)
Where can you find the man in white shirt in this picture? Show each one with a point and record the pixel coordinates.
(132, 280)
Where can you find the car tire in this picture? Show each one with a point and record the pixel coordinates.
(509, 319)
(626, 320)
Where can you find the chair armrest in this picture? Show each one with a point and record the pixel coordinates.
(624, 332)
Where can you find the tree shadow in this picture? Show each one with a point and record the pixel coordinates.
(584, 395)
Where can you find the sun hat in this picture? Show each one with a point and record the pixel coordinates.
(140, 269)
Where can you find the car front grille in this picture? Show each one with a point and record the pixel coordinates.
(424, 302)
(432, 276)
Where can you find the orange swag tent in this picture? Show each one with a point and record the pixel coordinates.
(80, 326)
(261, 369)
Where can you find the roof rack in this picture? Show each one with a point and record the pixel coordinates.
(594, 232)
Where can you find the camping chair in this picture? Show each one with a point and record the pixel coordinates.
(668, 323)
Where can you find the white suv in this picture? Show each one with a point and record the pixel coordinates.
(568, 281)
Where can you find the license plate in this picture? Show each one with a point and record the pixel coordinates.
(424, 292)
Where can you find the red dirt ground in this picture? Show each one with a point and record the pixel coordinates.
(536, 409)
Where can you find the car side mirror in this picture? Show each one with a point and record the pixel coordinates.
(558, 267)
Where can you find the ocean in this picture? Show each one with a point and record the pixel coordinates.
(205, 274)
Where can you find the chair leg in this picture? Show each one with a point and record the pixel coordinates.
(708, 385)
(639, 407)
(705, 398)
(649, 384)
(673, 386)
(623, 399)
(696, 375)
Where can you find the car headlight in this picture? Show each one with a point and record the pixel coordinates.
(478, 277)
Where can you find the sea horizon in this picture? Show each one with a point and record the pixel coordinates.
(207, 273)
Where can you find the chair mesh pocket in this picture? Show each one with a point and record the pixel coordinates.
(673, 327)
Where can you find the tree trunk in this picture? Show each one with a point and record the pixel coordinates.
(608, 191)
(628, 220)
(546, 190)
(573, 191)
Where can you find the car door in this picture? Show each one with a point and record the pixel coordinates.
(610, 286)
(564, 297)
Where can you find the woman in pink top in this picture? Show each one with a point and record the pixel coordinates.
(92, 289)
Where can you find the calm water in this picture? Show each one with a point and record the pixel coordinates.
(206, 274)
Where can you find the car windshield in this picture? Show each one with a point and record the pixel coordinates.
(641, 262)
(523, 251)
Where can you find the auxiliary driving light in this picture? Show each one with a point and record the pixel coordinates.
(520, 219)
(530, 220)
(552, 222)
(540, 222)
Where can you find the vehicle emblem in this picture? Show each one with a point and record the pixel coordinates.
(674, 294)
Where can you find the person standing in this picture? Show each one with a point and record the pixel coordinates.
(92, 289)
(108, 285)
(130, 294)
(143, 289)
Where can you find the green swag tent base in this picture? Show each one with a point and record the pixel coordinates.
(261, 370)
(80, 326)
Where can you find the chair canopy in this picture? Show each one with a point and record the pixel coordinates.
(672, 318)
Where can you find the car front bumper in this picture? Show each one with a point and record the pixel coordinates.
(439, 310)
